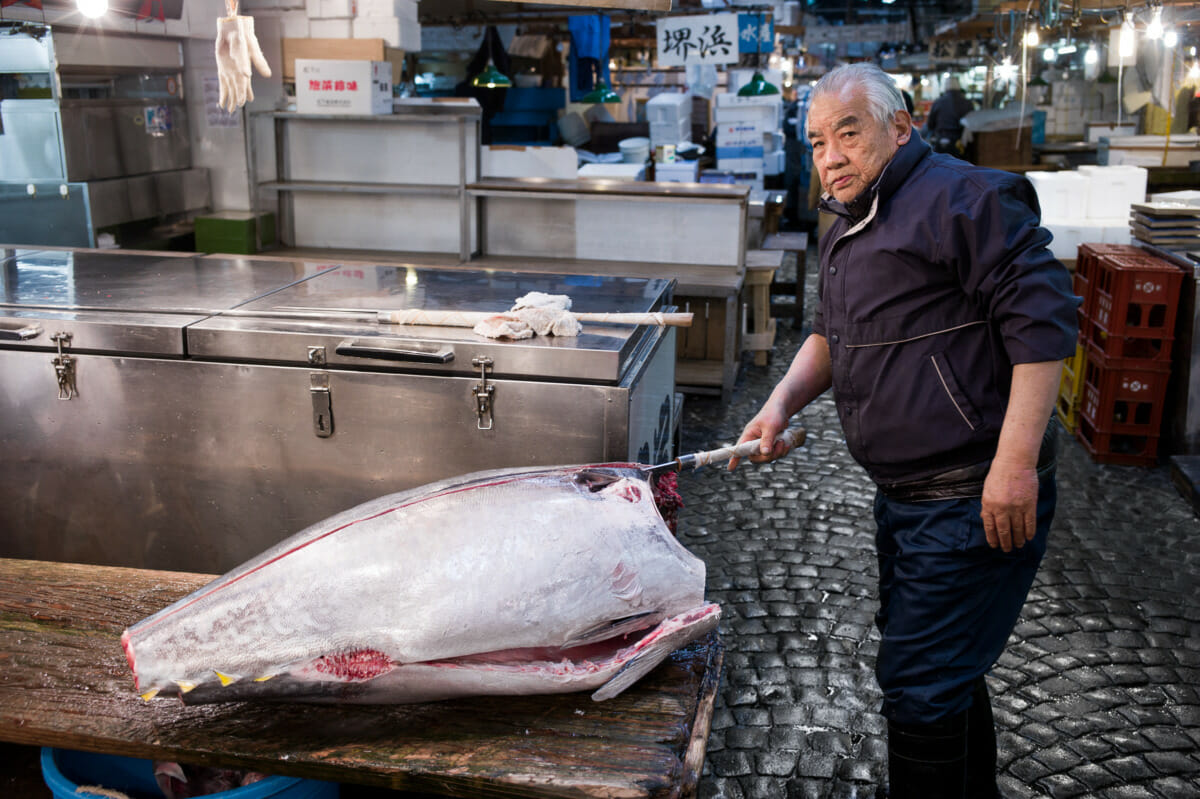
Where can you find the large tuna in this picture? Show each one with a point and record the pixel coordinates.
(506, 582)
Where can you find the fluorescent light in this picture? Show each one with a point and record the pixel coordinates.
(1066, 49)
(1125, 43)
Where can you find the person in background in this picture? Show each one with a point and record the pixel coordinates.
(943, 126)
(942, 325)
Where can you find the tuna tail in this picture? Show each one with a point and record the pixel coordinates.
(654, 649)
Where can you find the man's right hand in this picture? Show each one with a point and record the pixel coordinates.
(767, 424)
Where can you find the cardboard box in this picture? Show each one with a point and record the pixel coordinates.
(343, 87)
(339, 49)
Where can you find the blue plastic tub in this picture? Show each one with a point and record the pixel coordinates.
(64, 770)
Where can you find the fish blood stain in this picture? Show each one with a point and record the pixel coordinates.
(356, 665)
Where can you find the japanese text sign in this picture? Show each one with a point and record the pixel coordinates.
(756, 33)
(710, 39)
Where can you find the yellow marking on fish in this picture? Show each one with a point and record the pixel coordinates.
(185, 686)
(226, 679)
(153, 692)
(263, 678)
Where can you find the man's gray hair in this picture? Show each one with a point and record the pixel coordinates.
(883, 97)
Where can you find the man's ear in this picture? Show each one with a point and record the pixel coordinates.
(902, 122)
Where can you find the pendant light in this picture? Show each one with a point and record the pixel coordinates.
(491, 77)
(601, 94)
(758, 85)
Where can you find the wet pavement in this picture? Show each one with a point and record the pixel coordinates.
(1097, 694)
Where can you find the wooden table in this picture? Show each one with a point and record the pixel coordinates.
(66, 684)
(790, 242)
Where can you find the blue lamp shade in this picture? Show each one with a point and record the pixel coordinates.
(757, 87)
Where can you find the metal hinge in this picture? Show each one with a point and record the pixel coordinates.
(484, 394)
(322, 405)
(64, 367)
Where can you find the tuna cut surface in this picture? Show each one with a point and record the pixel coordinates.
(516, 581)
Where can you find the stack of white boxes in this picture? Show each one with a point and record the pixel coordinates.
(749, 134)
(1071, 103)
(330, 19)
(394, 21)
(1088, 206)
(670, 118)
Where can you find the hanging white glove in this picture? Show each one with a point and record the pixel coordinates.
(236, 49)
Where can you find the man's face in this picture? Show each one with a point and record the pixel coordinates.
(851, 147)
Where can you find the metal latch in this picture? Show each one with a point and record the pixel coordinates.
(322, 405)
(64, 367)
(483, 393)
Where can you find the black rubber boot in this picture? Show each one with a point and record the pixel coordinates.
(928, 761)
(981, 745)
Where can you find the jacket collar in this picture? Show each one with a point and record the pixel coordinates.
(890, 179)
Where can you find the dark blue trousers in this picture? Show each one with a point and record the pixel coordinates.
(947, 601)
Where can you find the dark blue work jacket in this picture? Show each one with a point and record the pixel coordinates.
(929, 295)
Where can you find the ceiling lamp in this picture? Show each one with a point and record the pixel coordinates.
(1090, 56)
(1155, 29)
(92, 9)
(1031, 36)
(601, 94)
(1194, 71)
(491, 77)
(1170, 38)
(1049, 56)
(758, 87)
(1125, 42)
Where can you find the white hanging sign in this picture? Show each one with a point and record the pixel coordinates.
(708, 39)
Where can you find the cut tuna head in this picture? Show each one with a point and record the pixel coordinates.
(506, 582)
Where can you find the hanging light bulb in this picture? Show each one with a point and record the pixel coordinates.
(1194, 71)
(1031, 36)
(1090, 56)
(1125, 42)
(1007, 69)
(1048, 55)
(1155, 29)
(92, 9)
(1170, 39)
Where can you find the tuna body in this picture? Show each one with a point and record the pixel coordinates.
(506, 582)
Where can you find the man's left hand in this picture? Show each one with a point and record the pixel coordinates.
(1009, 509)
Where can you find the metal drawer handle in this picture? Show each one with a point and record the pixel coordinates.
(356, 350)
(15, 330)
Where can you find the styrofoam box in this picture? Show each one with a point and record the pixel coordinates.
(731, 108)
(343, 87)
(329, 28)
(400, 33)
(773, 162)
(513, 161)
(613, 171)
(678, 172)
(294, 25)
(338, 9)
(668, 133)
(669, 108)
(1062, 195)
(405, 9)
(1187, 196)
(1114, 189)
(1070, 233)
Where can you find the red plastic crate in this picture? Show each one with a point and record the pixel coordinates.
(1085, 267)
(1128, 401)
(1117, 448)
(1135, 296)
(1126, 352)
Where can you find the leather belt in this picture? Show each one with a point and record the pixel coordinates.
(967, 481)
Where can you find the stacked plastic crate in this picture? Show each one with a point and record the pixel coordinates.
(1126, 331)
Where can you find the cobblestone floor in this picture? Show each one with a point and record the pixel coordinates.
(1097, 694)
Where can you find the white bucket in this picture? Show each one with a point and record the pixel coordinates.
(635, 150)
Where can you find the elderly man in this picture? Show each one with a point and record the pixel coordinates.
(942, 325)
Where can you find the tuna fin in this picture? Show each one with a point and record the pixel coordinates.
(264, 678)
(226, 679)
(654, 649)
(153, 692)
(185, 686)
(613, 628)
